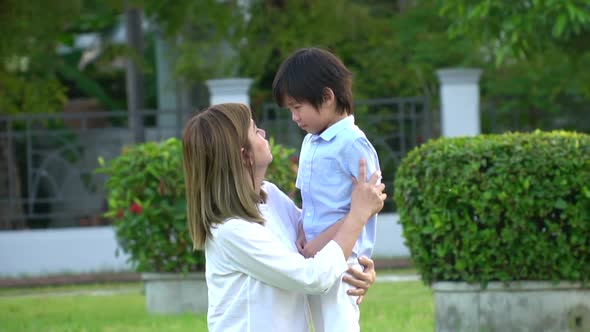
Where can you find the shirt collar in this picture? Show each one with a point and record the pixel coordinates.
(334, 129)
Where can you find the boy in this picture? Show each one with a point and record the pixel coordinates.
(316, 87)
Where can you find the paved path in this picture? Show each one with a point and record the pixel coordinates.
(397, 278)
(88, 292)
(131, 290)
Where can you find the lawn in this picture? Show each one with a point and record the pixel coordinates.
(404, 306)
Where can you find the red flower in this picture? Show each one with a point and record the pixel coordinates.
(120, 214)
(294, 159)
(135, 208)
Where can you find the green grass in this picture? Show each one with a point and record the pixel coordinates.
(406, 307)
(401, 306)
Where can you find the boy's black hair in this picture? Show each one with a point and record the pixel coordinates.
(306, 73)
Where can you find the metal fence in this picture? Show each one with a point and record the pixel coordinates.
(500, 116)
(47, 161)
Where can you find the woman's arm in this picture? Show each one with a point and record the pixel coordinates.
(254, 250)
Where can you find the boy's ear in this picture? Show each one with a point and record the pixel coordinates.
(329, 96)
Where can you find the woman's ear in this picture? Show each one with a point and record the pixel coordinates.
(246, 160)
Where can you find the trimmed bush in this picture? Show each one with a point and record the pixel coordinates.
(283, 169)
(498, 207)
(146, 196)
(146, 202)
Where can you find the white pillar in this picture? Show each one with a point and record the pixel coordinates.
(459, 94)
(229, 90)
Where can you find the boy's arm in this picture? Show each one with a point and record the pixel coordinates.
(318, 243)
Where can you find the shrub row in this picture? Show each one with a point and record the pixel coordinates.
(498, 207)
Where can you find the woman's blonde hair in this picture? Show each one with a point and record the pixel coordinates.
(217, 185)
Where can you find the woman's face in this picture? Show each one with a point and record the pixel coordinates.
(260, 154)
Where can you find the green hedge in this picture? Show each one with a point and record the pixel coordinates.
(498, 207)
(146, 197)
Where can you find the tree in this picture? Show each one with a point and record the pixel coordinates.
(30, 36)
(540, 51)
(521, 28)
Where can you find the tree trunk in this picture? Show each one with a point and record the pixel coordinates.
(134, 76)
(11, 209)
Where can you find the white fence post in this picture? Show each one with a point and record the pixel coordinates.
(229, 90)
(459, 91)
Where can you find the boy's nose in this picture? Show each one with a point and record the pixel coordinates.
(294, 117)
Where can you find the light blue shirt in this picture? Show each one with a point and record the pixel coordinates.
(326, 164)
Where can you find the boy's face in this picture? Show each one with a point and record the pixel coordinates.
(310, 119)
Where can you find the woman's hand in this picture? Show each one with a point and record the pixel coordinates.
(367, 196)
(361, 280)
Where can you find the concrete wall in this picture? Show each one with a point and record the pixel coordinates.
(59, 251)
(389, 243)
(86, 250)
(516, 306)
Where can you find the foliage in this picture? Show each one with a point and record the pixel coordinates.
(226, 38)
(92, 82)
(36, 78)
(392, 48)
(283, 169)
(278, 28)
(498, 207)
(520, 28)
(541, 63)
(544, 92)
(30, 35)
(146, 198)
(392, 51)
(208, 31)
(418, 46)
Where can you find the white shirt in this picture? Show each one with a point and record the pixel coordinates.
(256, 279)
(327, 163)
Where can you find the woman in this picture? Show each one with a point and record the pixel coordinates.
(255, 276)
